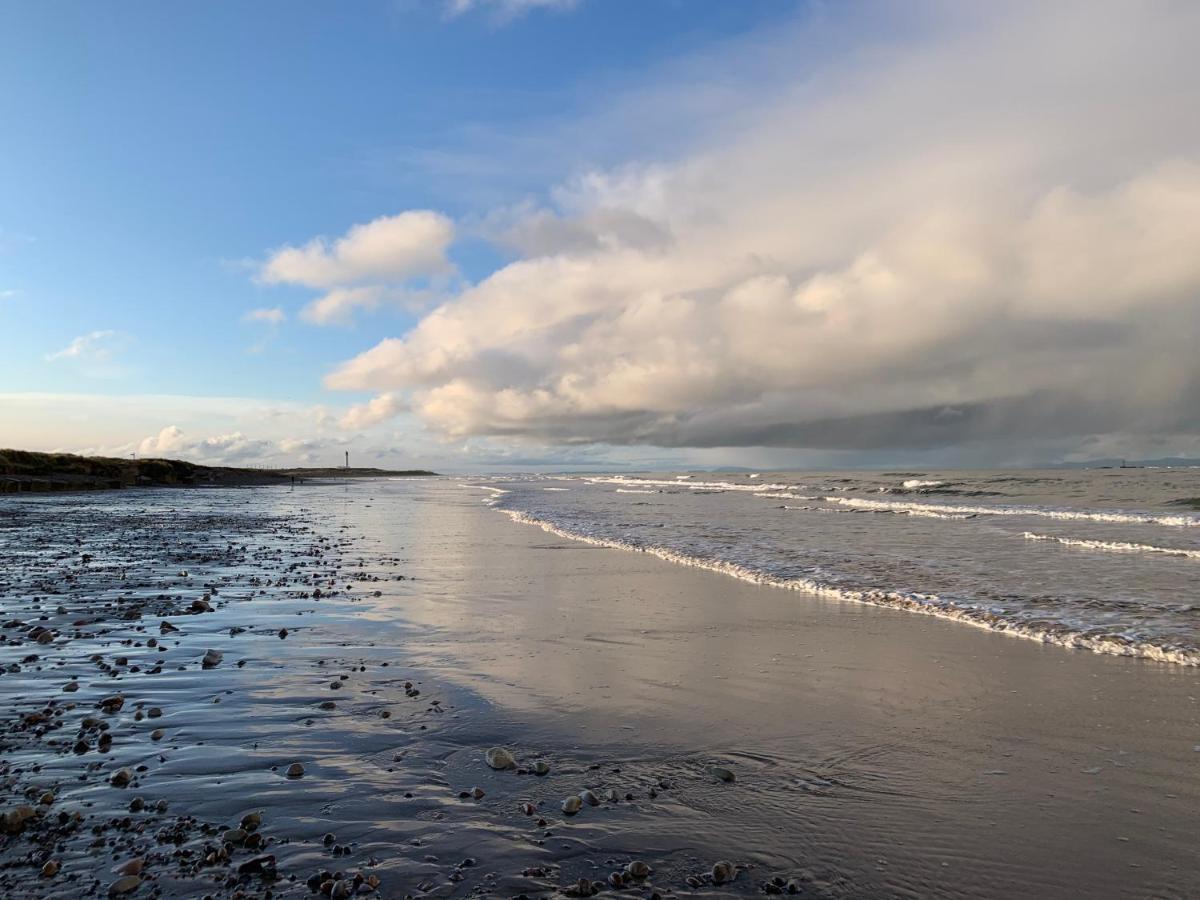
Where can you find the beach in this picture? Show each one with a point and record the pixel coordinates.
(385, 635)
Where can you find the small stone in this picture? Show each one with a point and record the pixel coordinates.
(15, 819)
(572, 805)
(157, 734)
(121, 778)
(154, 712)
(477, 793)
(131, 867)
(251, 821)
(637, 869)
(500, 759)
(212, 659)
(124, 885)
(50, 869)
(283, 632)
(295, 770)
(722, 774)
(589, 798)
(723, 872)
(234, 836)
(70, 687)
(541, 768)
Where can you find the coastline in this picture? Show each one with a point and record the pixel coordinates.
(875, 753)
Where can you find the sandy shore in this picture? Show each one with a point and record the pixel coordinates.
(874, 753)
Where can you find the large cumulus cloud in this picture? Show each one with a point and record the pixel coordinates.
(989, 227)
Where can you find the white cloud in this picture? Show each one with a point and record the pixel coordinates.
(267, 316)
(9, 294)
(93, 347)
(338, 306)
(390, 248)
(378, 409)
(994, 215)
(506, 9)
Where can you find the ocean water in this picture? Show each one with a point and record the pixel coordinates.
(1106, 560)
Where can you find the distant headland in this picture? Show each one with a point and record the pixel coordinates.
(27, 471)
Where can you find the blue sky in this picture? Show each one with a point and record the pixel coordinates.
(154, 148)
(489, 233)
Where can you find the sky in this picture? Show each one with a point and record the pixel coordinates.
(478, 235)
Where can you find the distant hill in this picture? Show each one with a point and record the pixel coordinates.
(23, 470)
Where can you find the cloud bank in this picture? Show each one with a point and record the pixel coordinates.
(983, 230)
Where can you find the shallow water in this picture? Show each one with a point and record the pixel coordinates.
(877, 753)
(1101, 559)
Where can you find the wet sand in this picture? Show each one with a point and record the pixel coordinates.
(874, 753)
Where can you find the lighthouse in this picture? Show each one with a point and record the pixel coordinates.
(347, 459)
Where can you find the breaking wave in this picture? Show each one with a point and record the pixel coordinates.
(1059, 633)
(942, 509)
(1113, 546)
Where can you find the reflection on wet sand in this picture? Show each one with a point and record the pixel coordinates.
(868, 752)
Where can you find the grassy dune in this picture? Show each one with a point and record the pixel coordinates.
(23, 470)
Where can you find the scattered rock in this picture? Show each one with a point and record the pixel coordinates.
(723, 872)
(572, 805)
(15, 819)
(722, 774)
(212, 659)
(500, 759)
(637, 869)
(295, 770)
(124, 885)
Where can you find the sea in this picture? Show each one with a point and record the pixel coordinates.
(1106, 560)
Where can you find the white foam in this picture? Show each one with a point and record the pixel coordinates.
(690, 485)
(634, 491)
(555, 489)
(784, 495)
(1113, 546)
(919, 483)
(927, 604)
(940, 510)
(486, 487)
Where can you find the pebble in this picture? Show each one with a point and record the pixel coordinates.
(123, 885)
(637, 869)
(722, 774)
(589, 798)
(723, 872)
(500, 759)
(121, 778)
(295, 770)
(212, 659)
(572, 805)
(541, 768)
(50, 869)
(131, 867)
